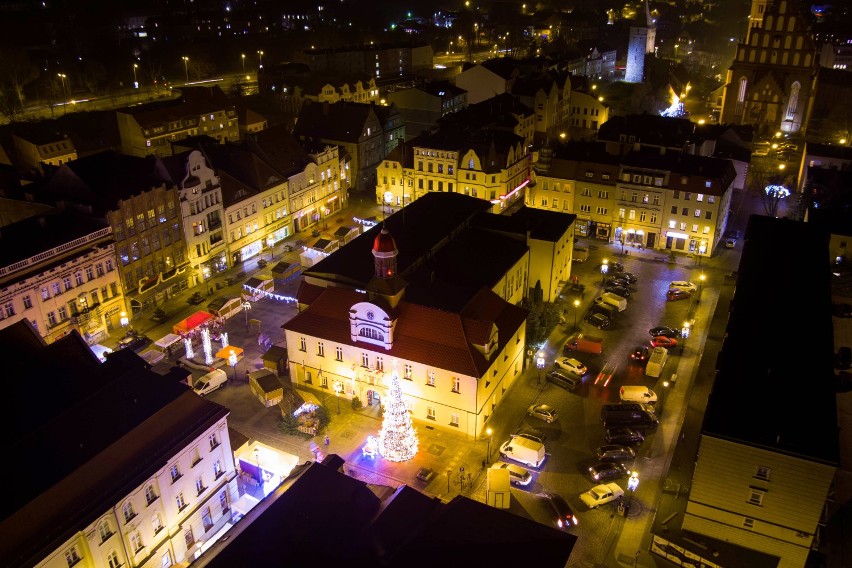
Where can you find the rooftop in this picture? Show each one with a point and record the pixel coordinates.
(42, 233)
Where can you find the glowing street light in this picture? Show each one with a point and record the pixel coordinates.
(243, 56)
(337, 389)
(246, 307)
(700, 285)
(260, 56)
(539, 363)
(576, 308)
(490, 433)
(604, 270)
(186, 67)
(135, 81)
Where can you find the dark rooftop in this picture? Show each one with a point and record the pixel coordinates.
(542, 225)
(42, 233)
(648, 129)
(751, 393)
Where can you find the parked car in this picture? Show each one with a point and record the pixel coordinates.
(601, 495)
(684, 285)
(261, 263)
(622, 291)
(663, 331)
(641, 353)
(533, 434)
(623, 436)
(543, 412)
(616, 453)
(517, 474)
(604, 471)
(675, 294)
(663, 341)
(599, 321)
(730, 242)
(617, 280)
(134, 342)
(571, 365)
(563, 516)
(629, 276)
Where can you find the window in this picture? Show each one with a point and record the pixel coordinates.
(338, 353)
(470, 164)
(456, 385)
(105, 531)
(454, 420)
(128, 511)
(699, 197)
(676, 194)
(407, 371)
(156, 523)
(320, 349)
(755, 496)
(762, 472)
(78, 278)
(303, 346)
(683, 226)
(63, 313)
(706, 229)
(45, 293)
(175, 473)
(166, 560)
(430, 413)
(653, 218)
(695, 228)
(71, 556)
(365, 360)
(697, 213)
(711, 199)
(28, 303)
(199, 485)
(684, 211)
(214, 441)
(136, 542)
(217, 469)
(150, 494)
(748, 523)
(430, 378)
(380, 364)
(223, 502)
(181, 502)
(66, 282)
(112, 559)
(674, 209)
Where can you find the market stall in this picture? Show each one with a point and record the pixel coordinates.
(195, 320)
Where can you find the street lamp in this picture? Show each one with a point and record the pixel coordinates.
(337, 388)
(246, 308)
(576, 308)
(260, 56)
(186, 67)
(701, 279)
(124, 319)
(450, 48)
(539, 363)
(684, 333)
(243, 56)
(604, 270)
(490, 432)
(135, 81)
(632, 484)
(232, 361)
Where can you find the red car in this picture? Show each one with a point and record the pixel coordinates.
(675, 294)
(661, 341)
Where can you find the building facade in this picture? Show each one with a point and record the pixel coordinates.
(643, 35)
(62, 280)
(772, 80)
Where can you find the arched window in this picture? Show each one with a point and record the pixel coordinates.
(794, 100)
(129, 513)
(370, 333)
(150, 494)
(470, 164)
(112, 559)
(741, 95)
(104, 530)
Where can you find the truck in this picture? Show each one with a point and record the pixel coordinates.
(611, 299)
(656, 362)
(583, 343)
(630, 415)
(523, 450)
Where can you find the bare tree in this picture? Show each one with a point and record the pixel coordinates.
(16, 71)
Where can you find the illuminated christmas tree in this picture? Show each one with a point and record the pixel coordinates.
(397, 438)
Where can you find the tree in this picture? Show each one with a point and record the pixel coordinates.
(397, 438)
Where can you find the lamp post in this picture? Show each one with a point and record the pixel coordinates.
(260, 57)
(124, 319)
(232, 361)
(246, 308)
(684, 333)
(450, 50)
(701, 279)
(632, 484)
(604, 270)
(257, 460)
(186, 67)
(135, 81)
(490, 433)
(243, 57)
(539, 363)
(206, 273)
(576, 308)
(337, 388)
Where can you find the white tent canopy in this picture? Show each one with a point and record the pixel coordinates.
(169, 339)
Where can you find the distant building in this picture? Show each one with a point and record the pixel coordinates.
(503, 112)
(423, 105)
(151, 129)
(643, 34)
(598, 63)
(586, 115)
(380, 60)
(36, 145)
(250, 121)
(487, 79)
(772, 80)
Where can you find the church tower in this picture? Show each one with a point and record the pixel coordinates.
(772, 80)
(643, 35)
(755, 17)
(386, 283)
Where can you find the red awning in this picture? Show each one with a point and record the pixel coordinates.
(190, 323)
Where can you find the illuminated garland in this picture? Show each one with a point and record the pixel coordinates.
(279, 297)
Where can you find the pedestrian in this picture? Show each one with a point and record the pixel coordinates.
(327, 441)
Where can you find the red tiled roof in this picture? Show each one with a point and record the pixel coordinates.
(426, 335)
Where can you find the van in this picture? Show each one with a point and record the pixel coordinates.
(210, 382)
(524, 450)
(565, 380)
(606, 310)
(614, 300)
(517, 474)
(635, 393)
(581, 254)
(631, 415)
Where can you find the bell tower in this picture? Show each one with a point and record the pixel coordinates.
(386, 283)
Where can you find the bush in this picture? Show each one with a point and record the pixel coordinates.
(356, 403)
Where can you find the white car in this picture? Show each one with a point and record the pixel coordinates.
(543, 412)
(571, 365)
(684, 285)
(601, 495)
